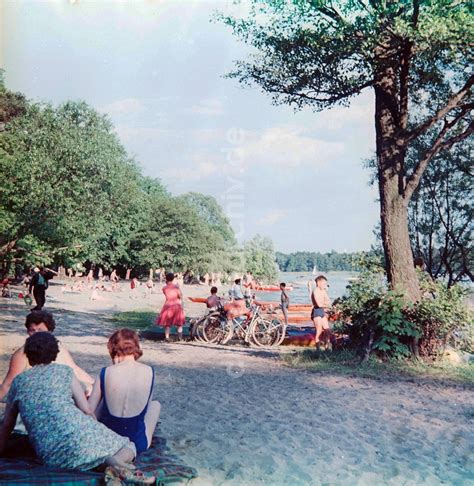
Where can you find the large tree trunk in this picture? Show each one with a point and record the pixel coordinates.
(391, 171)
(396, 240)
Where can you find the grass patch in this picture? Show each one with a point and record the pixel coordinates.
(348, 364)
(134, 319)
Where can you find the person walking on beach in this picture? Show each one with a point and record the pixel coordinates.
(114, 276)
(39, 284)
(172, 313)
(90, 275)
(285, 301)
(321, 303)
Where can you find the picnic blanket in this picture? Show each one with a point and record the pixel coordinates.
(20, 466)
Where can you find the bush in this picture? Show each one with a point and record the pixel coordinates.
(378, 319)
(443, 318)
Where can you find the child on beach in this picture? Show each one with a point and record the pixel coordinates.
(213, 301)
(172, 313)
(321, 303)
(285, 301)
(6, 292)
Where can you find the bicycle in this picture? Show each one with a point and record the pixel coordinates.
(256, 329)
(275, 326)
(216, 328)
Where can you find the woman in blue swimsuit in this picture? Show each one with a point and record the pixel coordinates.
(121, 397)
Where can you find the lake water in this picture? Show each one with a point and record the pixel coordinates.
(337, 282)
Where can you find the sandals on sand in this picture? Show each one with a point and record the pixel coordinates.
(115, 476)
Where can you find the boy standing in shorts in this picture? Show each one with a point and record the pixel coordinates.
(321, 303)
(285, 302)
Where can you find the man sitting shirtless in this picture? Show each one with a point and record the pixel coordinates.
(41, 321)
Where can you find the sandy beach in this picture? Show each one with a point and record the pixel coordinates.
(241, 417)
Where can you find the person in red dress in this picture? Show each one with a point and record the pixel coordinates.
(172, 313)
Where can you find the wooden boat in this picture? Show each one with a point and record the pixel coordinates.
(303, 336)
(292, 308)
(267, 288)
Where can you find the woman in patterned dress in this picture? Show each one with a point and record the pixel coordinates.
(172, 313)
(60, 424)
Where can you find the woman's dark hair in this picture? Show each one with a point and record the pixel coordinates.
(169, 277)
(283, 284)
(213, 290)
(37, 317)
(237, 281)
(41, 348)
(124, 342)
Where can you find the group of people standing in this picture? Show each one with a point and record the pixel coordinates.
(74, 421)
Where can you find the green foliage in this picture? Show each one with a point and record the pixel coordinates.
(71, 194)
(67, 181)
(376, 316)
(321, 53)
(134, 319)
(209, 210)
(415, 55)
(443, 317)
(174, 236)
(441, 212)
(379, 319)
(260, 259)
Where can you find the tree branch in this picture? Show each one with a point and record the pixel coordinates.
(414, 179)
(458, 138)
(290, 90)
(404, 81)
(452, 103)
(416, 12)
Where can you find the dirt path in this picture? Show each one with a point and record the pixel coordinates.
(241, 417)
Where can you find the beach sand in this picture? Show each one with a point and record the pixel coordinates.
(241, 417)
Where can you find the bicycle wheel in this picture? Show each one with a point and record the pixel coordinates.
(265, 332)
(228, 331)
(281, 333)
(196, 330)
(216, 329)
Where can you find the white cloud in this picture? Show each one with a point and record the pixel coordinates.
(273, 217)
(287, 147)
(209, 107)
(126, 106)
(196, 172)
(143, 134)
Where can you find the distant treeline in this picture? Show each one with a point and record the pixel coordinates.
(306, 261)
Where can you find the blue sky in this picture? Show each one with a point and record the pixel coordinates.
(156, 68)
